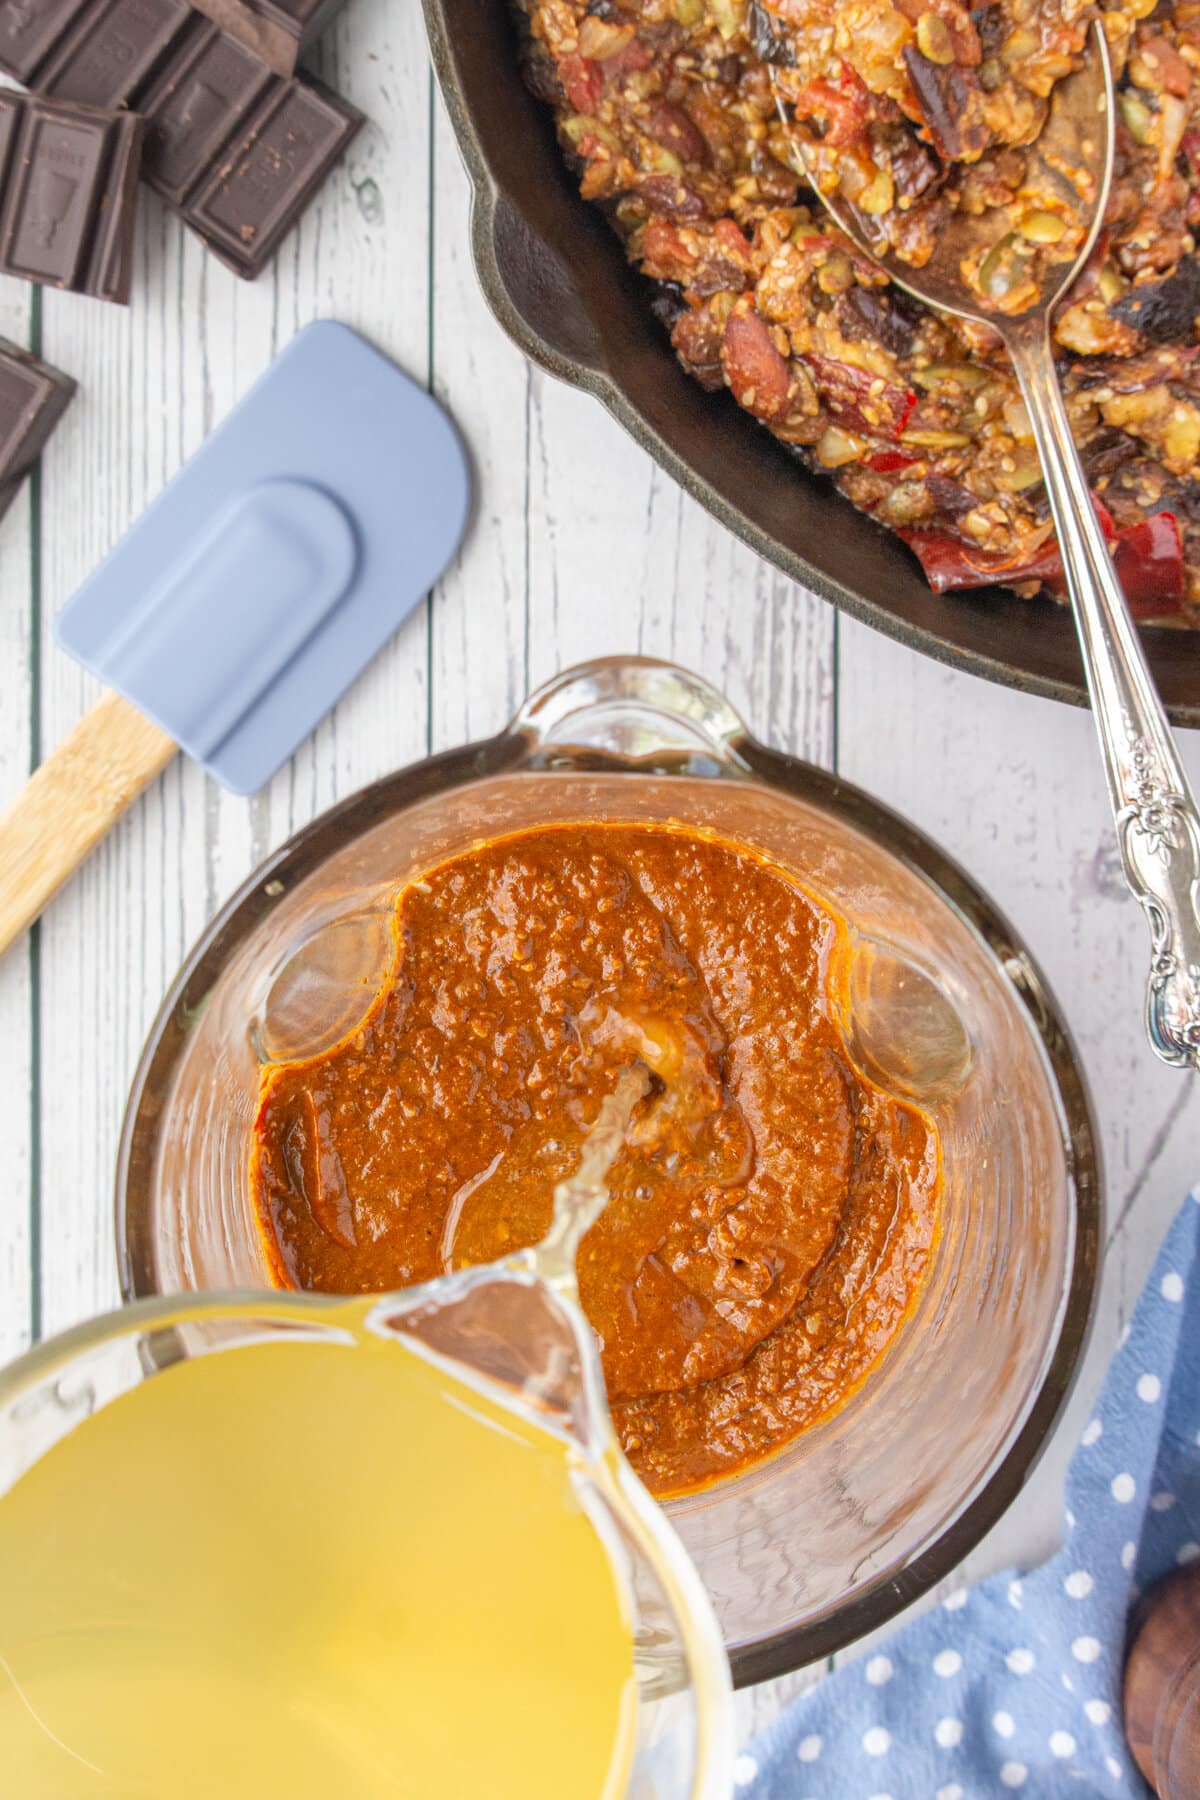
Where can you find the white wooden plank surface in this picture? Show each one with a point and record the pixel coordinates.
(18, 672)
(1012, 787)
(579, 547)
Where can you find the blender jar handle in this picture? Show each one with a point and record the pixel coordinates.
(636, 708)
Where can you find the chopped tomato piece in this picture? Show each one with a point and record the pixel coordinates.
(1148, 558)
(1167, 64)
(634, 56)
(734, 243)
(844, 110)
(582, 82)
(888, 462)
(858, 401)
(664, 253)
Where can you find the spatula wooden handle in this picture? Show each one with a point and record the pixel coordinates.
(69, 804)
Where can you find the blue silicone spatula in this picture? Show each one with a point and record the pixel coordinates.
(247, 598)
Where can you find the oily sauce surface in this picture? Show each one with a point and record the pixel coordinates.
(772, 1214)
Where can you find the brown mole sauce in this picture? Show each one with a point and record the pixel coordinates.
(772, 1215)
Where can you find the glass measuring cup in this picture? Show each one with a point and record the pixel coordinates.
(871, 1506)
(513, 1335)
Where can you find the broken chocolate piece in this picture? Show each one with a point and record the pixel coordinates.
(271, 42)
(111, 49)
(268, 176)
(29, 29)
(278, 31)
(234, 146)
(33, 398)
(69, 201)
(199, 103)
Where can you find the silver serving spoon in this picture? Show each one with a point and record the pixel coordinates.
(1158, 830)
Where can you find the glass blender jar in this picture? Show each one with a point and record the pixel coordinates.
(871, 1506)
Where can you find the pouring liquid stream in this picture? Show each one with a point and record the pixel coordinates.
(315, 1562)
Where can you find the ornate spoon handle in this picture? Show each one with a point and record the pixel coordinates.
(1158, 829)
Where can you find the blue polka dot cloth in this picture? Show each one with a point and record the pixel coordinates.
(1016, 1685)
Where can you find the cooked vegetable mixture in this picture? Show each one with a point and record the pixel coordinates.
(668, 110)
(772, 1215)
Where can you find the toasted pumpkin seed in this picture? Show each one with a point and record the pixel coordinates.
(581, 125)
(1112, 284)
(1136, 114)
(935, 440)
(1042, 228)
(661, 160)
(996, 271)
(1025, 473)
(965, 374)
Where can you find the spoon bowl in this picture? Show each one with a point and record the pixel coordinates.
(1068, 173)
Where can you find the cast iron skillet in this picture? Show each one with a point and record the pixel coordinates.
(556, 278)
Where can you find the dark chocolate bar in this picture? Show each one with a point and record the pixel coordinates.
(29, 29)
(33, 398)
(302, 20)
(110, 49)
(279, 31)
(8, 493)
(235, 147)
(199, 103)
(273, 43)
(268, 176)
(68, 175)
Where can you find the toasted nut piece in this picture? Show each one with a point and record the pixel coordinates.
(907, 502)
(599, 40)
(995, 271)
(879, 194)
(1019, 45)
(836, 274)
(933, 38)
(836, 447)
(1016, 417)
